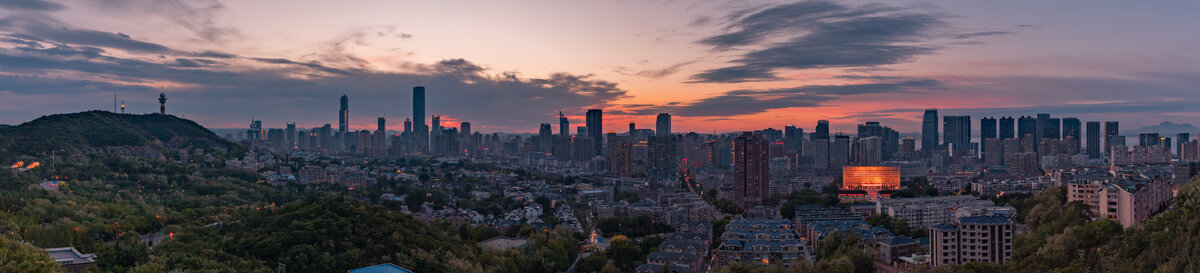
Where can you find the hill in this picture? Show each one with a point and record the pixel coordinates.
(101, 131)
(1166, 129)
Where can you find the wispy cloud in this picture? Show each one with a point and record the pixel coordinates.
(820, 34)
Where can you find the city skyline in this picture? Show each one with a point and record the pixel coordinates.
(710, 68)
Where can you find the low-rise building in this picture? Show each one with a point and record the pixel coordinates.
(987, 239)
(71, 260)
(931, 211)
(767, 242)
(1129, 200)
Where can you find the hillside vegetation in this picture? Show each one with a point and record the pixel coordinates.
(89, 133)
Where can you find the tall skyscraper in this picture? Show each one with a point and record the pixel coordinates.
(291, 135)
(987, 130)
(421, 131)
(1072, 134)
(663, 125)
(435, 131)
(751, 173)
(466, 138)
(631, 128)
(564, 126)
(957, 131)
(545, 140)
(1027, 128)
(929, 130)
(620, 156)
(1006, 128)
(344, 115)
(381, 125)
(888, 139)
(595, 129)
(822, 130)
(1111, 129)
(1042, 121)
(661, 154)
(1149, 139)
(839, 152)
(1093, 139)
(1180, 139)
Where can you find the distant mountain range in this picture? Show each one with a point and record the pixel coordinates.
(98, 132)
(1165, 129)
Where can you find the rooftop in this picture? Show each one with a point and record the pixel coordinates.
(69, 255)
(382, 268)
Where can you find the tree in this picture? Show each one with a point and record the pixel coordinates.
(16, 256)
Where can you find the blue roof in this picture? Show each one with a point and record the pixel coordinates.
(383, 268)
(988, 219)
(899, 240)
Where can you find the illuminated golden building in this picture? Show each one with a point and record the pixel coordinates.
(870, 178)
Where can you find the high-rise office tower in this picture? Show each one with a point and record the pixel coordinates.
(929, 130)
(987, 130)
(1111, 129)
(435, 131)
(1027, 128)
(662, 126)
(545, 138)
(466, 138)
(957, 132)
(291, 135)
(751, 173)
(1042, 121)
(1072, 134)
(595, 129)
(344, 115)
(1180, 139)
(1148, 139)
(1093, 139)
(631, 128)
(1006, 128)
(256, 130)
(421, 131)
(889, 139)
(661, 154)
(564, 125)
(839, 152)
(822, 130)
(381, 125)
(620, 156)
(1053, 129)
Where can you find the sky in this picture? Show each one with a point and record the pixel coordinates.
(507, 66)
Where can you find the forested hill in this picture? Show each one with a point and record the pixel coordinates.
(97, 131)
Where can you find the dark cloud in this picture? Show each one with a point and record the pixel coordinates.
(313, 65)
(214, 54)
(185, 62)
(745, 102)
(39, 27)
(979, 34)
(38, 5)
(820, 34)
